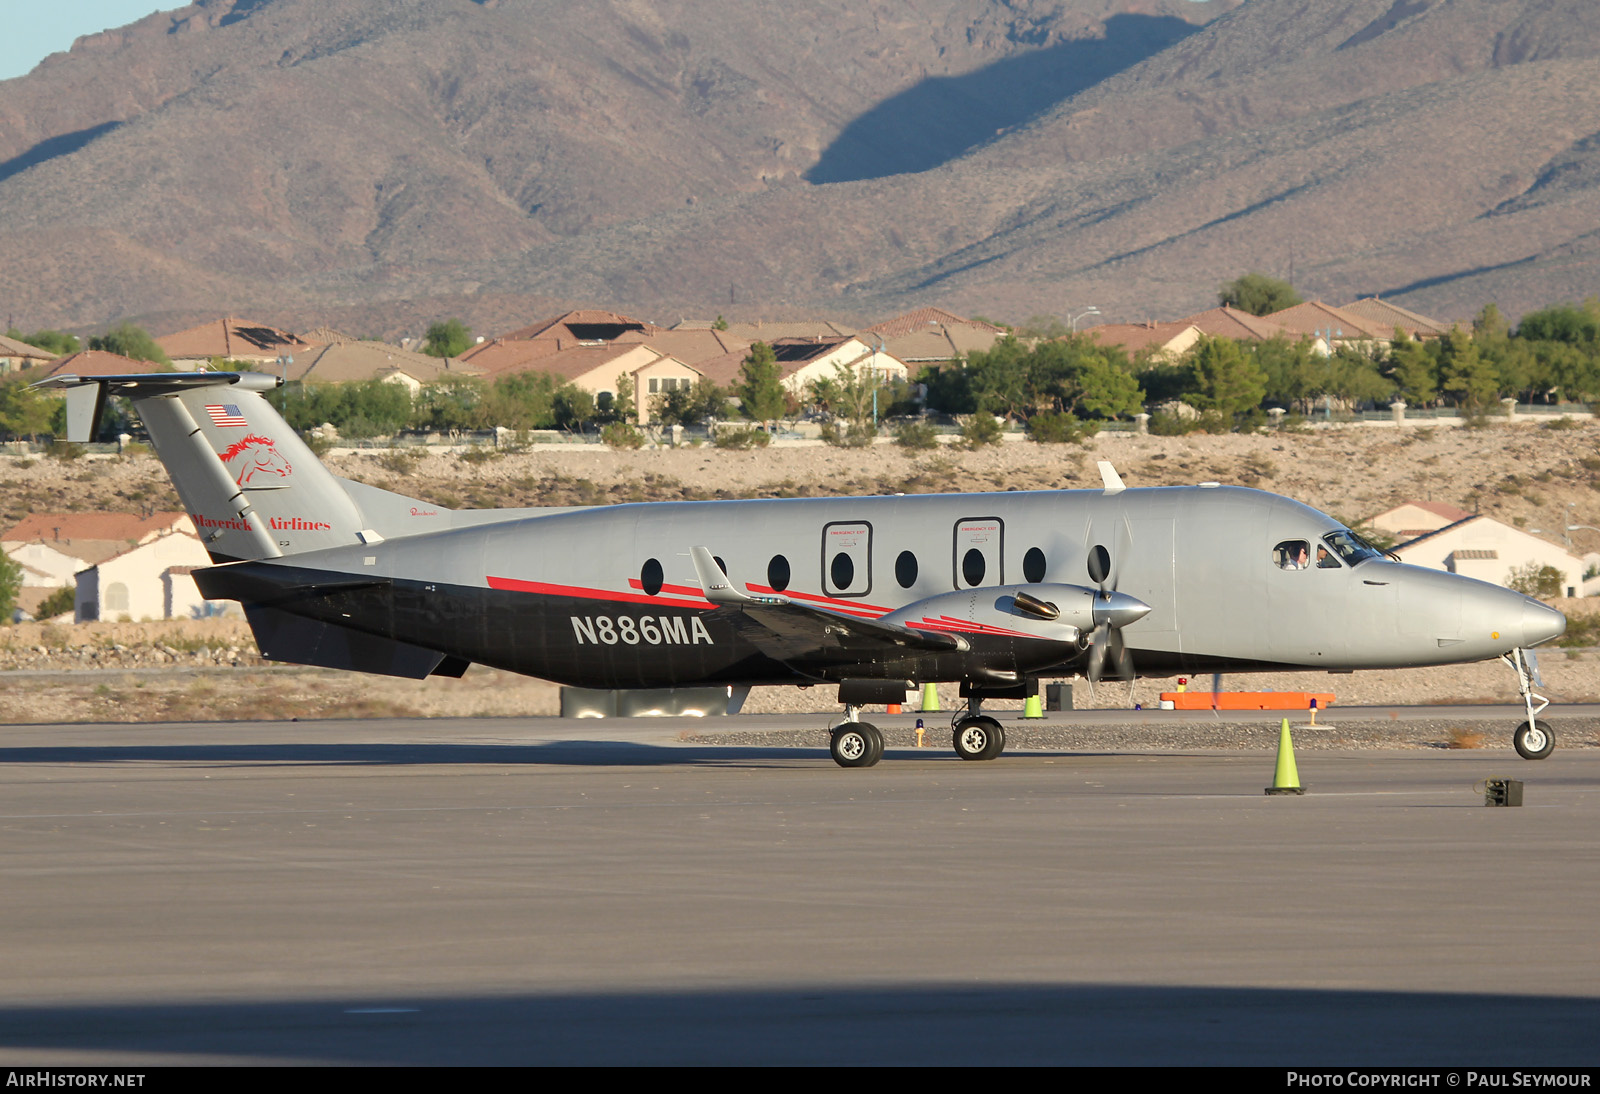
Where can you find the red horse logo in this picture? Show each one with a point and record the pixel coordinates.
(258, 459)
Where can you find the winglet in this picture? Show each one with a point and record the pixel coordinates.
(1109, 476)
(718, 587)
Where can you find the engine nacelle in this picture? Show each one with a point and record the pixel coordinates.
(1051, 613)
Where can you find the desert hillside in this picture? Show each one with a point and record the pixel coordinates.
(374, 164)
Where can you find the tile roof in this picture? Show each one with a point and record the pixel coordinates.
(1134, 337)
(922, 318)
(229, 338)
(1241, 326)
(1390, 316)
(14, 347)
(580, 326)
(689, 345)
(326, 336)
(343, 362)
(95, 537)
(763, 331)
(97, 362)
(1314, 318)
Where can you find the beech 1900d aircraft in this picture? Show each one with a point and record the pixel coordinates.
(874, 594)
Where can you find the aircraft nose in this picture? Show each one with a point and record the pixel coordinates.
(1541, 623)
(1119, 609)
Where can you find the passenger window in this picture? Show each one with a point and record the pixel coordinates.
(778, 573)
(651, 577)
(973, 566)
(1291, 554)
(1033, 566)
(905, 569)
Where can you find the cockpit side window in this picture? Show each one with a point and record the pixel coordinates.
(1350, 547)
(1291, 554)
(1325, 559)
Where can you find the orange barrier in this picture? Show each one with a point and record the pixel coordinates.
(1247, 700)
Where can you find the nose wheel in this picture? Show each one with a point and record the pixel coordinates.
(1531, 740)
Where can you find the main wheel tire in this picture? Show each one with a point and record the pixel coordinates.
(978, 738)
(1533, 742)
(856, 744)
(875, 735)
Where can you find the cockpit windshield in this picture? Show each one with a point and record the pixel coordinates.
(1351, 547)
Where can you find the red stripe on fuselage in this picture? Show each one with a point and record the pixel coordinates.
(578, 592)
(857, 606)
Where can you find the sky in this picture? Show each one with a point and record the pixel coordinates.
(31, 30)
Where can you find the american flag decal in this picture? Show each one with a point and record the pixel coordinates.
(225, 414)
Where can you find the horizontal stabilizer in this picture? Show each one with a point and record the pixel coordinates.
(299, 641)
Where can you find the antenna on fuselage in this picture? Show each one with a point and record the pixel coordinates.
(1109, 476)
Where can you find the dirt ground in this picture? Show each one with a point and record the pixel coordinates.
(1525, 474)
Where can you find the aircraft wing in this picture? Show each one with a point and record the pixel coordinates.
(788, 631)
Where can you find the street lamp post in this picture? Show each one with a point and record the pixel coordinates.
(1084, 314)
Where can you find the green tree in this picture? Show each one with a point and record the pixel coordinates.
(1466, 372)
(622, 407)
(24, 412)
(760, 392)
(447, 338)
(10, 585)
(1414, 368)
(1258, 294)
(1225, 378)
(56, 341)
(131, 341)
(691, 405)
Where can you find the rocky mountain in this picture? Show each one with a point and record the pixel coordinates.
(378, 163)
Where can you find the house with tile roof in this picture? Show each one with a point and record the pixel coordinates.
(1411, 519)
(1335, 325)
(594, 367)
(16, 355)
(802, 360)
(350, 362)
(91, 536)
(1382, 315)
(149, 581)
(1241, 326)
(933, 335)
(1482, 547)
(1162, 342)
(231, 340)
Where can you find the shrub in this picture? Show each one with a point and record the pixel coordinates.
(622, 435)
(1057, 428)
(981, 429)
(916, 435)
(65, 450)
(1535, 580)
(60, 602)
(740, 439)
(479, 454)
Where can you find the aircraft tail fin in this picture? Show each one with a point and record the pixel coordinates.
(252, 487)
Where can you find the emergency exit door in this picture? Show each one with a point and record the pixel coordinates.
(979, 549)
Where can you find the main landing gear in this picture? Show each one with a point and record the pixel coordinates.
(976, 736)
(854, 743)
(1531, 740)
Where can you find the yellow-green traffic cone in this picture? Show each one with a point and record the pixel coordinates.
(930, 698)
(1032, 707)
(1286, 780)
